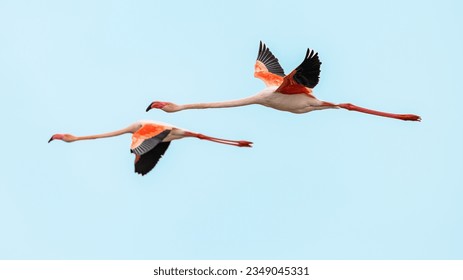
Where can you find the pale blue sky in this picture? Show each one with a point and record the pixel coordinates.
(325, 185)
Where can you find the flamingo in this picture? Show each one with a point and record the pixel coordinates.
(291, 93)
(150, 141)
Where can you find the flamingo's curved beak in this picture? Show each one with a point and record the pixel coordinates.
(157, 105)
(149, 107)
(51, 139)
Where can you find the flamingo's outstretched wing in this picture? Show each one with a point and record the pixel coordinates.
(148, 147)
(146, 162)
(267, 67)
(304, 78)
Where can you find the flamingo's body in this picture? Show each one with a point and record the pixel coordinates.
(291, 93)
(150, 141)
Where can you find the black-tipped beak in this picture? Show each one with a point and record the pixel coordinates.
(51, 139)
(149, 107)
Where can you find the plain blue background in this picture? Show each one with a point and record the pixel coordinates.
(326, 185)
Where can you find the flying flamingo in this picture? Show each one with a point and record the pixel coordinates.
(292, 92)
(150, 141)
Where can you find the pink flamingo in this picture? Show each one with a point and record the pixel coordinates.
(150, 141)
(291, 93)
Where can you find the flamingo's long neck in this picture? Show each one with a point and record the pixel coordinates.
(404, 117)
(224, 104)
(130, 129)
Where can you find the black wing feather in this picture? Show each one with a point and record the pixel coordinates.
(150, 143)
(269, 60)
(149, 152)
(308, 73)
(148, 160)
